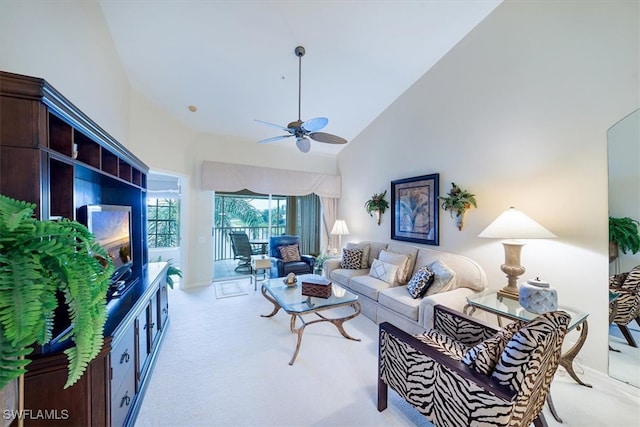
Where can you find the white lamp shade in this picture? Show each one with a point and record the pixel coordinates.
(513, 224)
(340, 228)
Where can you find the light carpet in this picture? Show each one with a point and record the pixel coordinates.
(228, 289)
(221, 364)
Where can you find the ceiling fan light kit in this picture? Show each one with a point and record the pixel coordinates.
(309, 129)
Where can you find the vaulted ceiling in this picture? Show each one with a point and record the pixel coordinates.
(234, 60)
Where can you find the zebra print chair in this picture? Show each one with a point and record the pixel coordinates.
(627, 305)
(450, 373)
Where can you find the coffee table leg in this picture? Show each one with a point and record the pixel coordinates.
(337, 322)
(566, 360)
(299, 331)
(276, 306)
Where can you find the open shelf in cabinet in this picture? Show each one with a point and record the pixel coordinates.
(88, 151)
(124, 170)
(109, 162)
(61, 178)
(60, 136)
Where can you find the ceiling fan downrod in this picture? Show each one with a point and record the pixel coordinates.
(299, 51)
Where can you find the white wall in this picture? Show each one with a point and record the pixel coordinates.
(516, 113)
(68, 44)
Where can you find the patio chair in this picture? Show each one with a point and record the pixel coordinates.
(242, 250)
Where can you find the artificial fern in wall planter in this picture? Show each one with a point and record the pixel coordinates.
(39, 260)
(377, 204)
(457, 202)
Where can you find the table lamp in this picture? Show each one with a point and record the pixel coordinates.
(513, 225)
(339, 229)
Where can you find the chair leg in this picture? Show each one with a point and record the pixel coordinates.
(540, 421)
(638, 320)
(382, 395)
(625, 331)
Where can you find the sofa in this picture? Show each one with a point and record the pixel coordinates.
(390, 300)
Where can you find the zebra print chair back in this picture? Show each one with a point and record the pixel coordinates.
(506, 383)
(627, 305)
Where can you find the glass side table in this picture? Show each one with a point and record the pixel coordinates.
(491, 302)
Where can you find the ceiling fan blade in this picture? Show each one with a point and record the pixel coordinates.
(275, 138)
(314, 125)
(327, 137)
(274, 125)
(303, 144)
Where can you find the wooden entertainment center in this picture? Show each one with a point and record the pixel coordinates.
(53, 155)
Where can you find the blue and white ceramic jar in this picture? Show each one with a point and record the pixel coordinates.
(537, 296)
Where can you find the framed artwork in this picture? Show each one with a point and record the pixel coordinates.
(415, 209)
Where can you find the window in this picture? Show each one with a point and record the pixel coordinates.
(163, 223)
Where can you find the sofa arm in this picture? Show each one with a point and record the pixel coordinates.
(330, 265)
(455, 299)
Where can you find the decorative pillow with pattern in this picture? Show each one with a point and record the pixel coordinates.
(290, 253)
(420, 282)
(383, 271)
(366, 250)
(522, 348)
(397, 259)
(444, 279)
(351, 259)
(484, 356)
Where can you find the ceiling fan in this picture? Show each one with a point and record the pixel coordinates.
(307, 129)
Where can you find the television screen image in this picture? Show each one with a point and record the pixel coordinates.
(111, 226)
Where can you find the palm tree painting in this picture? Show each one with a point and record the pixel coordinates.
(415, 209)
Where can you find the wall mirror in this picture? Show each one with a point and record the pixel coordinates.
(623, 146)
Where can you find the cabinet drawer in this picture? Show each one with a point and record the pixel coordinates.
(123, 358)
(122, 400)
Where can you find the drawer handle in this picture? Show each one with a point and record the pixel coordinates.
(151, 325)
(125, 357)
(165, 311)
(125, 399)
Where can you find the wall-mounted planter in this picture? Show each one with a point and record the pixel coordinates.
(377, 204)
(457, 202)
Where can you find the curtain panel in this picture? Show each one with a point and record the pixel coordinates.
(227, 177)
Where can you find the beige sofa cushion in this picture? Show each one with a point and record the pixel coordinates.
(399, 260)
(368, 286)
(343, 275)
(398, 299)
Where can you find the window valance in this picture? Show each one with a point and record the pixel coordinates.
(217, 176)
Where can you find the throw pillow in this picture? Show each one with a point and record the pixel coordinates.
(444, 278)
(523, 346)
(484, 356)
(351, 259)
(420, 282)
(397, 259)
(366, 250)
(383, 271)
(290, 253)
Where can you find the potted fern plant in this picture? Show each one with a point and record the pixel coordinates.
(40, 260)
(377, 204)
(457, 202)
(623, 236)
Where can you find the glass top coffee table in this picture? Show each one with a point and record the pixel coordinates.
(291, 300)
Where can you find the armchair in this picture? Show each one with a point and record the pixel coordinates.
(293, 262)
(627, 305)
(433, 372)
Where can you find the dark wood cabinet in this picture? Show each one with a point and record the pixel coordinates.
(53, 155)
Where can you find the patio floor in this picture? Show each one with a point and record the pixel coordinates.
(224, 269)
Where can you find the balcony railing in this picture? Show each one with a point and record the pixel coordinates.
(257, 235)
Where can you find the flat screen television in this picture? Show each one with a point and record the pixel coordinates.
(111, 226)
